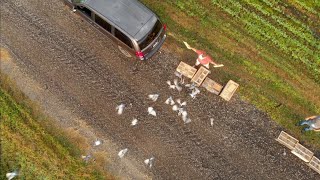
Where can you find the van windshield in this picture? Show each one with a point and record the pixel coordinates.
(151, 36)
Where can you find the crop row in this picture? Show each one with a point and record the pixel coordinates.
(299, 29)
(261, 29)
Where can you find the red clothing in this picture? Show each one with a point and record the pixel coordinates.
(204, 60)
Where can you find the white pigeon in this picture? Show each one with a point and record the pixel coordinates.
(134, 122)
(120, 108)
(11, 175)
(184, 115)
(149, 162)
(86, 158)
(97, 143)
(122, 152)
(171, 86)
(188, 120)
(151, 111)
(190, 86)
(181, 111)
(181, 103)
(211, 121)
(195, 91)
(179, 75)
(170, 101)
(176, 84)
(175, 108)
(153, 97)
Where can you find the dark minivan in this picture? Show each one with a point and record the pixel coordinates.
(135, 28)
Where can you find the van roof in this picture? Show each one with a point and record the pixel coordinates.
(130, 15)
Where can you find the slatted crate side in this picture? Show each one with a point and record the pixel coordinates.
(287, 140)
(315, 164)
(201, 74)
(212, 86)
(186, 70)
(302, 152)
(228, 90)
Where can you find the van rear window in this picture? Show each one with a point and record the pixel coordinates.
(151, 36)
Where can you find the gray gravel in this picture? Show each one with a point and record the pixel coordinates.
(83, 69)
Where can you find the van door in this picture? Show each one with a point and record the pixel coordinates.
(125, 44)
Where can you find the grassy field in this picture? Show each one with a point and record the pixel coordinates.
(33, 146)
(271, 48)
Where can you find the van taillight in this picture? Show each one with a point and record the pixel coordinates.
(140, 54)
(165, 27)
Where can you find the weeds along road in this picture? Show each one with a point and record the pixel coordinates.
(83, 69)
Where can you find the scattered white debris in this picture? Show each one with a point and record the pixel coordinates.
(151, 111)
(170, 101)
(176, 84)
(284, 152)
(171, 86)
(120, 108)
(149, 162)
(195, 91)
(211, 121)
(97, 143)
(11, 175)
(134, 122)
(122, 152)
(153, 97)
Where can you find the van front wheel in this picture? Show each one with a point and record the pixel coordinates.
(124, 52)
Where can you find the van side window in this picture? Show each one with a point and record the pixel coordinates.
(122, 37)
(85, 11)
(103, 23)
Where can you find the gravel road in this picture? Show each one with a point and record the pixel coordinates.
(82, 69)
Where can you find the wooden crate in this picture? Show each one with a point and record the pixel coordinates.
(287, 140)
(186, 70)
(212, 86)
(228, 90)
(315, 164)
(302, 152)
(201, 74)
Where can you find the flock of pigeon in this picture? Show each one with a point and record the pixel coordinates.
(178, 106)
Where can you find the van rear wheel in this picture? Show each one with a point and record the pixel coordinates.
(124, 52)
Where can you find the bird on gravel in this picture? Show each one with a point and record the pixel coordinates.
(194, 92)
(171, 86)
(151, 111)
(11, 175)
(179, 75)
(181, 103)
(178, 87)
(188, 120)
(175, 108)
(149, 162)
(97, 143)
(86, 158)
(122, 152)
(190, 86)
(211, 121)
(153, 97)
(120, 108)
(134, 122)
(170, 101)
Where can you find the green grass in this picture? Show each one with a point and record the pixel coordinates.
(34, 146)
(272, 49)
